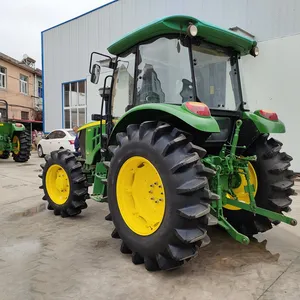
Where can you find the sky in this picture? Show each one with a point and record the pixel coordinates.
(25, 19)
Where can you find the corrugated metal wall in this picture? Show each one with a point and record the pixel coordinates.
(68, 46)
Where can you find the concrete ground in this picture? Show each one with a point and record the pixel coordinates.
(46, 257)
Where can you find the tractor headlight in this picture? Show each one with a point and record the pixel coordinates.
(192, 30)
(254, 51)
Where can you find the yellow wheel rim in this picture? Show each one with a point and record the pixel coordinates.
(140, 196)
(1, 152)
(57, 184)
(240, 192)
(16, 143)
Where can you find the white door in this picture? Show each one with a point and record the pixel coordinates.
(47, 142)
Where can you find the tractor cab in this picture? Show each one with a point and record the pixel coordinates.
(182, 61)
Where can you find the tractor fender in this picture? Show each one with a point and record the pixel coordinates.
(264, 125)
(18, 127)
(169, 113)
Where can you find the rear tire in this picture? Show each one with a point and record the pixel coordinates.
(275, 182)
(187, 195)
(5, 155)
(78, 191)
(23, 154)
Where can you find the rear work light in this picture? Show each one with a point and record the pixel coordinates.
(71, 142)
(268, 114)
(198, 108)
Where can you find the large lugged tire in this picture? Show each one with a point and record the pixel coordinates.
(275, 182)
(158, 195)
(22, 152)
(64, 184)
(5, 155)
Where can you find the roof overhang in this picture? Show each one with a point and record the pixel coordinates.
(178, 24)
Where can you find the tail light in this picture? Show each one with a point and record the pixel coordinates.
(71, 142)
(198, 108)
(268, 115)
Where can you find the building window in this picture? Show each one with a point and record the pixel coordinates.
(40, 89)
(74, 104)
(24, 115)
(2, 77)
(23, 84)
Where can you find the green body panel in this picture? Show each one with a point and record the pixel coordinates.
(20, 127)
(7, 131)
(99, 189)
(206, 124)
(264, 125)
(92, 140)
(178, 25)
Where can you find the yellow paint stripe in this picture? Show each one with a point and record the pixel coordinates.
(92, 124)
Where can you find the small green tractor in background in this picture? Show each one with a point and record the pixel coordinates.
(14, 138)
(175, 148)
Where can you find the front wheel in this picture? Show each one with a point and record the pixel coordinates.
(64, 184)
(158, 195)
(4, 154)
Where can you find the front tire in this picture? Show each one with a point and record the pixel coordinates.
(162, 241)
(5, 155)
(64, 184)
(275, 182)
(21, 152)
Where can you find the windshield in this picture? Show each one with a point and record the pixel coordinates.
(164, 74)
(72, 133)
(216, 77)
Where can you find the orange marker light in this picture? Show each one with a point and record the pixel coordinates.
(268, 115)
(198, 108)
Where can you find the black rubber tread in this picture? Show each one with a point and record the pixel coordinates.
(125, 249)
(172, 145)
(151, 264)
(166, 263)
(191, 235)
(137, 259)
(185, 163)
(79, 179)
(195, 211)
(275, 182)
(182, 253)
(78, 189)
(192, 185)
(5, 155)
(194, 148)
(115, 234)
(188, 201)
(25, 146)
(108, 217)
(131, 130)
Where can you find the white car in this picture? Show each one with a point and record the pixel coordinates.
(55, 140)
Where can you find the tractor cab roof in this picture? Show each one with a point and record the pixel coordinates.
(178, 24)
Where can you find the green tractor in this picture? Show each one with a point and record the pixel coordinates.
(175, 148)
(14, 138)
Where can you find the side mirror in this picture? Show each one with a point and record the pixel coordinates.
(95, 73)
